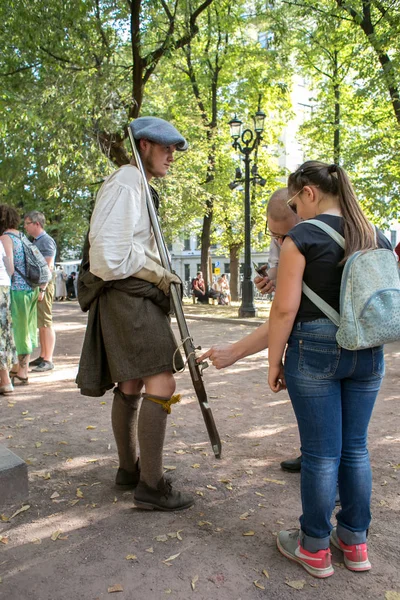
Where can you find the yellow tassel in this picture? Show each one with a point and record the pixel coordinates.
(166, 404)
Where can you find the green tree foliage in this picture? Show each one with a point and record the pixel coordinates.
(354, 116)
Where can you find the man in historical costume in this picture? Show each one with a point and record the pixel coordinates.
(129, 340)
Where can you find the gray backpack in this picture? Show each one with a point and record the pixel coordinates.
(369, 297)
(37, 270)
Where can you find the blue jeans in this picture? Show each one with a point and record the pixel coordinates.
(333, 392)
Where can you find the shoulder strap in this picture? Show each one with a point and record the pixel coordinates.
(330, 312)
(326, 308)
(339, 239)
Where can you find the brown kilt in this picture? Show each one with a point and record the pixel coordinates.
(128, 336)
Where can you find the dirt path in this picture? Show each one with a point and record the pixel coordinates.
(203, 552)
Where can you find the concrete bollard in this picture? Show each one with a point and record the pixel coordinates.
(13, 478)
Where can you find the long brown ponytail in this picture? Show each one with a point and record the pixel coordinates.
(332, 179)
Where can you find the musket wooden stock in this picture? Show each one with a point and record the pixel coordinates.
(187, 342)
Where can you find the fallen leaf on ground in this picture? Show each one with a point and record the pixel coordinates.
(73, 502)
(4, 518)
(211, 487)
(297, 584)
(25, 412)
(131, 557)
(56, 534)
(196, 466)
(278, 481)
(44, 430)
(38, 444)
(20, 510)
(115, 588)
(248, 533)
(150, 550)
(37, 541)
(249, 472)
(258, 585)
(92, 460)
(199, 493)
(178, 534)
(162, 538)
(166, 468)
(79, 493)
(179, 452)
(201, 523)
(168, 591)
(170, 558)
(55, 495)
(4, 540)
(244, 516)
(63, 443)
(91, 427)
(265, 572)
(194, 581)
(390, 595)
(259, 494)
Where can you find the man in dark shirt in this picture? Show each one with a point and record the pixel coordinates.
(34, 222)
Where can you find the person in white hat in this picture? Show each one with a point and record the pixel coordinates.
(129, 341)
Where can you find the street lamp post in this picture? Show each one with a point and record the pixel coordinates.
(248, 142)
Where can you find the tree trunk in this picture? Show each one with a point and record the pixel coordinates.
(336, 133)
(234, 254)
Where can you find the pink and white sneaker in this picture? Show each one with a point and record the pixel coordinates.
(355, 556)
(318, 564)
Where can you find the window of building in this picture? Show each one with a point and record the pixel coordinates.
(186, 243)
(266, 40)
(393, 238)
(227, 267)
(187, 272)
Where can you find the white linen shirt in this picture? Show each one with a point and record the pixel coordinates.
(120, 229)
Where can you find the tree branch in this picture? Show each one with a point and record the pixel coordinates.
(20, 69)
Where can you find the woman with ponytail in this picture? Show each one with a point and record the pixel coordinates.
(332, 390)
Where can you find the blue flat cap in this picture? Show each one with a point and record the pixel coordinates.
(159, 131)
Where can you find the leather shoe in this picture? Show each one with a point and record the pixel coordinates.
(128, 480)
(293, 465)
(161, 498)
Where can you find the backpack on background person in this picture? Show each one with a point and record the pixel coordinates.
(37, 270)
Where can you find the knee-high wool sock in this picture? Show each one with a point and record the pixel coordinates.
(151, 433)
(124, 419)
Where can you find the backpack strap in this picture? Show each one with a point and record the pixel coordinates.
(339, 239)
(330, 312)
(326, 308)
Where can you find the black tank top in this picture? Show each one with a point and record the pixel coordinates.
(322, 272)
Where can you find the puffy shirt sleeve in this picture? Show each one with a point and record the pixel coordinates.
(118, 214)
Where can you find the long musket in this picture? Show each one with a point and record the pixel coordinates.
(187, 341)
